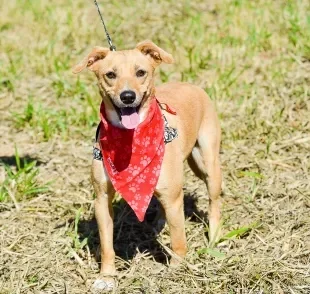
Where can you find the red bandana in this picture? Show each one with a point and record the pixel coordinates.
(133, 157)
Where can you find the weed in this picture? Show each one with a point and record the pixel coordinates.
(22, 183)
(77, 244)
(212, 252)
(50, 122)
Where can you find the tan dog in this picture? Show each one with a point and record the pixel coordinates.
(120, 72)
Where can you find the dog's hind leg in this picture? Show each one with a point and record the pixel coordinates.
(205, 163)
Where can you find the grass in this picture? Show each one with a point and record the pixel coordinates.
(251, 57)
(21, 183)
(51, 122)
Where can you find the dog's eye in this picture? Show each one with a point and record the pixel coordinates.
(140, 73)
(111, 75)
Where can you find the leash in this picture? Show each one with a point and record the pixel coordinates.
(112, 47)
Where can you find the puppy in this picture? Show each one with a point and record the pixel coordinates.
(126, 84)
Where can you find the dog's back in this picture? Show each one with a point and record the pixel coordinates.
(195, 117)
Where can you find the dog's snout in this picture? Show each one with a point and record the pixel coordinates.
(128, 97)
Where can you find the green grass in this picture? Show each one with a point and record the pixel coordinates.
(77, 244)
(49, 122)
(251, 57)
(21, 183)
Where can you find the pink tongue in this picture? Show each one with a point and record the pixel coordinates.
(130, 119)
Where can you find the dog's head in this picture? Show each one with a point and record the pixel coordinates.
(125, 78)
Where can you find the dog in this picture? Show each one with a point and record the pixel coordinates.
(126, 84)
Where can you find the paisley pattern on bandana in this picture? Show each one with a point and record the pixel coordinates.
(133, 158)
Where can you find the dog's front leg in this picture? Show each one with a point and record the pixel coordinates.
(104, 216)
(174, 212)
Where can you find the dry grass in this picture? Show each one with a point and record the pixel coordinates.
(252, 57)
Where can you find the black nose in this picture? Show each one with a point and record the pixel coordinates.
(128, 97)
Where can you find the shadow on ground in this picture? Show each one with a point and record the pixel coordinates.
(11, 160)
(131, 236)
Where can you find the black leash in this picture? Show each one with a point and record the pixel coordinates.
(112, 47)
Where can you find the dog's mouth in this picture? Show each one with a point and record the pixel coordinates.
(129, 116)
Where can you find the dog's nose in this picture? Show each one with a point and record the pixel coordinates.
(128, 97)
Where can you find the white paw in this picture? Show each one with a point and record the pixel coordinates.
(103, 285)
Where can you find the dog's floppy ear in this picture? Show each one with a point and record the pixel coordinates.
(90, 60)
(157, 54)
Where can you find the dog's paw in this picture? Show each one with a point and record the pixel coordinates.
(175, 262)
(103, 285)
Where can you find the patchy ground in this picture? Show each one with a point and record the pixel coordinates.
(252, 58)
